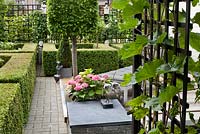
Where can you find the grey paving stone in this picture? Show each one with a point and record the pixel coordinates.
(46, 110)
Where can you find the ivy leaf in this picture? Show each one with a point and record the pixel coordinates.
(154, 103)
(196, 19)
(140, 113)
(134, 48)
(138, 101)
(161, 38)
(119, 4)
(127, 79)
(147, 71)
(167, 94)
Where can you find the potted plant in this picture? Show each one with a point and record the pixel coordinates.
(87, 86)
(64, 56)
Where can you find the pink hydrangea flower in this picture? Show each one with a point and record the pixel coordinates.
(90, 75)
(85, 85)
(71, 82)
(77, 77)
(105, 76)
(96, 78)
(78, 88)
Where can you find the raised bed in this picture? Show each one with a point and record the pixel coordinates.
(89, 117)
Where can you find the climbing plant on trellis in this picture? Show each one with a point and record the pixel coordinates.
(162, 64)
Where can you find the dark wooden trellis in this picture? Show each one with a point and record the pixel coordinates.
(149, 26)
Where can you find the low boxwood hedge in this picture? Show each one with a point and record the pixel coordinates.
(84, 45)
(98, 59)
(101, 60)
(3, 60)
(11, 112)
(49, 59)
(27, 48)
(20, 69)
(79, 45)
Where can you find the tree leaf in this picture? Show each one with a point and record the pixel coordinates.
(138, 101)
(161, 38)
(154, 103)
(191, 115)
(147, 71)
(142, 131)
(140, 113)
(134, 48)
(127, 79)
(130, 24)
(195, 2)
(167, 94)
(154, 131)
(196, 19)
(194, 41)
(119, 4)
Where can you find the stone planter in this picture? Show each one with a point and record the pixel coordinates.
(89, 117)
(66, 72)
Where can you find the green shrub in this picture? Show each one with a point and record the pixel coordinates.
(10, 46)
(2, 22)
(25, 48)
(84, 45)
(49, 59)
(3, 60)
(18, 28)
(20, 69)
(39, 26)
(97, 59)
(11, 112)
(64, 54)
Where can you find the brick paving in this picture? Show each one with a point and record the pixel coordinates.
(46, 115)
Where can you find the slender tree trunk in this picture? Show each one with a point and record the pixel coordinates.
(74, 57)
(97, 40)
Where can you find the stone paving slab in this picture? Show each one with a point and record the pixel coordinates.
(46, 115)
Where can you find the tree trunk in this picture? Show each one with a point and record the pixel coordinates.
(97, 40)
(74, 57)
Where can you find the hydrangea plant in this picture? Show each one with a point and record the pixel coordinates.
(88, 86)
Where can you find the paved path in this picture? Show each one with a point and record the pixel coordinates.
(46, 115)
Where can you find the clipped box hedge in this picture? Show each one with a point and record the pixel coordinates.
(85, 45)
(98, 59)
(20, 69)
(11, 112)
(27, 48)
(49, 59)
(101, 60)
